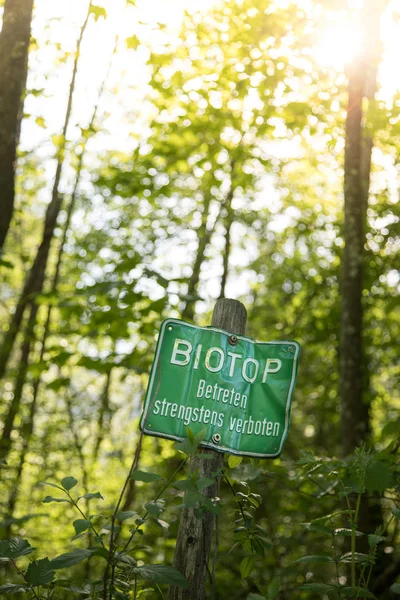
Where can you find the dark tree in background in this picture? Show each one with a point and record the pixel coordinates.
(362, 74)
(14, 43)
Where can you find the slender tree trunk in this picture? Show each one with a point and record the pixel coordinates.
(355, 415)
(14, 43)
(204, 235)
(228, 226)
(35, 280)
(104, 410)
(28, 428)
(358, 149)
(5, 442)
(354, 375)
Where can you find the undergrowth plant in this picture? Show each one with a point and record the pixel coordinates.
(124, 577)
(352, 481)
(115, 539)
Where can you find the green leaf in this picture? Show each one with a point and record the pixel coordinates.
(273, 588)
(318, 587)
(15, 548)
(313, 558)
(145, 476)
(91, 495)
(234, 461)
(378, 477)
(162, 523)
(40, 572)
(359, 557)
(71, 558)
(54, 485)
(98, 12)
(374, 540)
(14, 588)
(396, 513)
(204, 482)
(155, 508)
(162, 574)
(246, 566)
(318, 527)
(40, 122)
(331, 516)
(395, 588)
(101, 551)
(49, 499)
(68, 483)
(185, 484)
(81, 525)
(190, 435)
(345, 531)
(255, 597)
(126, 514)
(132, 42)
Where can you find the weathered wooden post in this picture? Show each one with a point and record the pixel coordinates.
(194, 539)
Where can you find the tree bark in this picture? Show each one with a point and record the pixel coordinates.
(35, 280)
(229, 215)
(358, 148)
(14, 43)
(194, 539)
(5, 442)
(355, 415)
(204, 235)
(228, 243)
(28, 427)
(104, 409)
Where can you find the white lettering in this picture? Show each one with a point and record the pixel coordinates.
(197, 357)
(250, 361)
(271, 369)
(200, 388)
(221, 359)
(234, 356)
(181, 352)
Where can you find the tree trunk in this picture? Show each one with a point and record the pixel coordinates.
(35, 280)
(5, 442)
(14, 43)
(104, 410)
(228, 243)
(355, 414)
(204, 235)
(28, 427)
(194, 539)
(358, 148)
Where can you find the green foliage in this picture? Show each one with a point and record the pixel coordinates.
(144, 476)
(234, 461)
(15, 548)
(40, 572)
(98, 12)
(68, 559)
(226, 97)
(161, 574)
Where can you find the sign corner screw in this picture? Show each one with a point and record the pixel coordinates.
(233, 340)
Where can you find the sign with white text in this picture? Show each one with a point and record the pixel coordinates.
(239, 391)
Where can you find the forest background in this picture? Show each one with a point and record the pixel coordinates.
(170, 153)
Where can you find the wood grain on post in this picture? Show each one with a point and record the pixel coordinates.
(194, 539)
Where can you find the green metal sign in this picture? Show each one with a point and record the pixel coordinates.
(236, 389)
